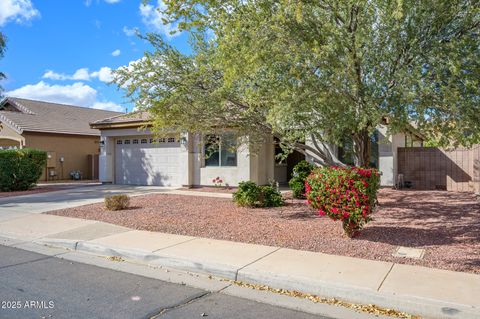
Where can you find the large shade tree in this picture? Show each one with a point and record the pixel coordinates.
(315, 73)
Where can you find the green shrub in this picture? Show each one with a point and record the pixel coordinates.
(346, 194)
(250, 194)
(21, 169)
(270, 196)
(117, 202)
(299, 174)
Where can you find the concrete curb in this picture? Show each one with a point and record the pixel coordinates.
(427, 308)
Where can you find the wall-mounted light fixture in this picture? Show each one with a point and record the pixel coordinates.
(62, 159)
(183, 140)
(102, 143)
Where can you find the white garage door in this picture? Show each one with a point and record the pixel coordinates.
(146, 161)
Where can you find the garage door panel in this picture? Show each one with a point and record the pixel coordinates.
(147, 163)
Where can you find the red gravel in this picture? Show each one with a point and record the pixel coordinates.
(446, 224)
(211, 189)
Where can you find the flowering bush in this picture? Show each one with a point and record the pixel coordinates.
(217, 181)
(346, 194)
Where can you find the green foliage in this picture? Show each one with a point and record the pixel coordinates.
(117, 202)
(20, 169)
(250, 194)
(270, 196)
(329, 69)
(346, 194)
(297, 182)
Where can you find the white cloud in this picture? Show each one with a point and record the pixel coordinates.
(153, 17)
(76, 94)
(110, 106)
(117, 52)
(104, 74)
(80, 74)
(112, 1)
(17, 10)
(129, 32)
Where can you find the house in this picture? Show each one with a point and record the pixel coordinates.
(61, 130)
(130, 154)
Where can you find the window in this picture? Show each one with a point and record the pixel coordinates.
(127, 142)
(119, 142)
(152, 141)
(161, 140)
(220, 150)
(135, 141)
(143, 141)
(171, 140)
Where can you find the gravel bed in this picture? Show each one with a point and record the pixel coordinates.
(445, 224)
(211, 189)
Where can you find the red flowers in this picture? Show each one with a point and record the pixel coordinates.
(346, 194)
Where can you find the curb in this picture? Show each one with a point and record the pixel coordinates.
(427, 308)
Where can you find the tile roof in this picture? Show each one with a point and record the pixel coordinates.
(134, 118)
(38, 116)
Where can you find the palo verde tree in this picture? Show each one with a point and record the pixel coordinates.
(316, 72)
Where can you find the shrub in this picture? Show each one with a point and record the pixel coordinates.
(117, 202)
(346, 194)
(297, 182)
(270, 196)
(251, 195)
(20, 169)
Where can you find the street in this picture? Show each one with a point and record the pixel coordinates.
(39, 286)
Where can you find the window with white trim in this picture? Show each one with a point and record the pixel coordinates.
(135, 141)
(127, 142)
(119, 142)
(143, 141)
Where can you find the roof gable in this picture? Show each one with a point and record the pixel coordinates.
(39, 116)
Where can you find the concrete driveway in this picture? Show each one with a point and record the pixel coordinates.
(13, 207)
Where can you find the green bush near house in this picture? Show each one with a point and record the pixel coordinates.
(21, 169)
(300, 174)
(250, 194)
(117, 202)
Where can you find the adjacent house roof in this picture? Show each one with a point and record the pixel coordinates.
(37, 116)
(138, 118)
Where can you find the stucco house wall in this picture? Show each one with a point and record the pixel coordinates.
(73, 148)
(251, 165)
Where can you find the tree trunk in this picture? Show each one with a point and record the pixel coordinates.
(363, 148)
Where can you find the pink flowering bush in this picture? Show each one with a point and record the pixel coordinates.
(217, 181)
(345, 194)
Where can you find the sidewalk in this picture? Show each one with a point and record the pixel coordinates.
(431, 293)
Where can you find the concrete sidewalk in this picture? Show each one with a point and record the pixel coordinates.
(431, 293)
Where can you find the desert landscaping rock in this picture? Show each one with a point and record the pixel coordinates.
(445, 225)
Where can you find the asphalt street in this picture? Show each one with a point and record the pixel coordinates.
(38, 286)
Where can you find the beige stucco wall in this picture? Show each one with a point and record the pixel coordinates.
(73, 148)
(257, 165)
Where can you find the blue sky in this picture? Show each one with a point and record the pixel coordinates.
(63, 51)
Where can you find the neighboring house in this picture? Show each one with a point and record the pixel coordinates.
(61, 130)
(130, 154)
